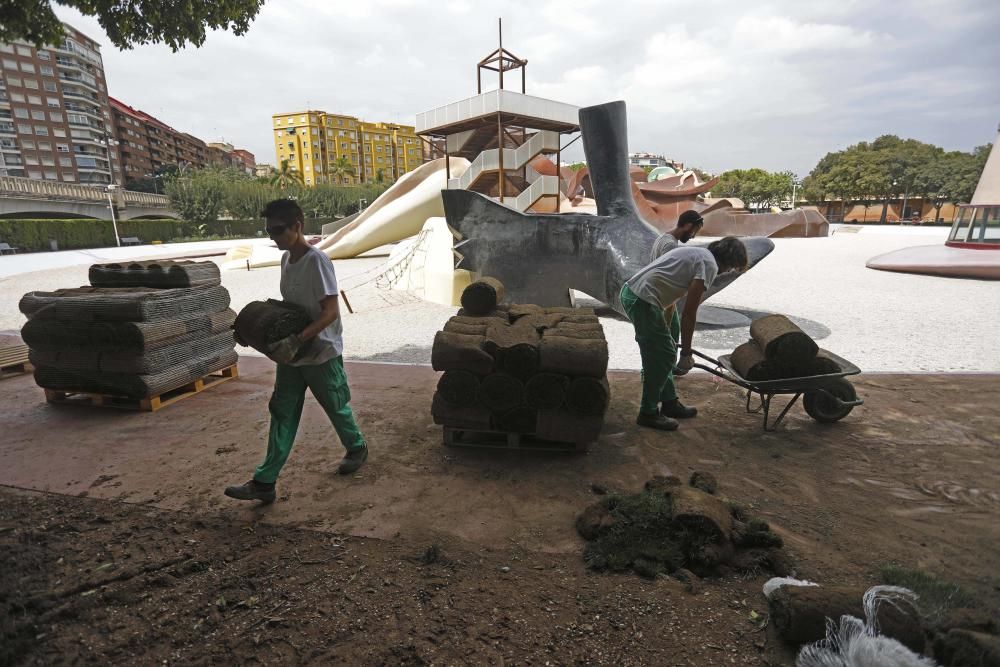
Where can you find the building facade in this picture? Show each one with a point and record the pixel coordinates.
(338, 149)
(55, 116)
(652, 160)
(147, 144)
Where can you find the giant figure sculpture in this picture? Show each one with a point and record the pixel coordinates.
(541, 257)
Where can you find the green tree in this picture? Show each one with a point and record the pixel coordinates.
(129, 23)
(342, 167)
(286, 176)
(246, 199)
(198, 196)
(379, 176)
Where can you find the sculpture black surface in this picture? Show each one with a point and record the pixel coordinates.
(540, 257)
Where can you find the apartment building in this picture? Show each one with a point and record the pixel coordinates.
(55, 118)
(321, 146)
(147, 144)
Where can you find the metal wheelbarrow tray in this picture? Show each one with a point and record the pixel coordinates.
(826, 398)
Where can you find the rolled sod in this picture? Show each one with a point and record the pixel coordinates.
(262, 323)
(586, 334)
(498, 314)
(799, 614)
(518, 310)
(460, 352)
(573, 356)
(482, 296)
(782, 341)
(499, 392)
(749, 361)
(546, 391)
(562, 426)
(588, 396)
(468, 329)
(521, 360)
(566, 310)
(459, 387)
(473, 417)
(520, 419)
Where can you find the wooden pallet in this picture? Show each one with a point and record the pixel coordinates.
(150, 404)
(12, 370)
(480, 439)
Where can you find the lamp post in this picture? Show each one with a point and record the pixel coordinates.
(111, 205)
(795, 184)
(154, 177)
(361, 204)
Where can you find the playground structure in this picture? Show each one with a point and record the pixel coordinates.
(975, 232)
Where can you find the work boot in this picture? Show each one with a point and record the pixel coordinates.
(252, 490)
(677, 410)
(657, 421)
(353, 459)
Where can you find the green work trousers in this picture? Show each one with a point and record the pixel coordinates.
(328, 383)
(657, 347)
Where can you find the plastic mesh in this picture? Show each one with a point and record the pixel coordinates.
(161, 274)
(148, 362)
(123, 304)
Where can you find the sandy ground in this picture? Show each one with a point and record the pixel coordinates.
(881, 321)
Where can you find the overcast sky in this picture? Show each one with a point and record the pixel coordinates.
(718, 84)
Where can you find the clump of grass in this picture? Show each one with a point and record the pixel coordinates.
(936, 597)
(643, 537)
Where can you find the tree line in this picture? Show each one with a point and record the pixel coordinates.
(205, 195)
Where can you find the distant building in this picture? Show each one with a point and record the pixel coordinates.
(315, 142)
(263, 170)
(55, 120)
(147, 144)
(651, 160)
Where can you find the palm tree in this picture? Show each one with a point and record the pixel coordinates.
(379, 176)
(285, 175)
(342, 167)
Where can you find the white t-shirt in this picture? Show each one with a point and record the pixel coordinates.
(664, 244)
(668, 278)
(305, 283)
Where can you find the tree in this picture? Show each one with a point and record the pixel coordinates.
(759, 189)
(342, 167)
(129, 23)
(286, 175)
(198, 196)
(379, 176)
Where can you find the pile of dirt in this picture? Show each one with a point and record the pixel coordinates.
(674, 529)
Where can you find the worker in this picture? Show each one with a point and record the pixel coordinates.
(311, 358)
(686, 271)
(688, 225)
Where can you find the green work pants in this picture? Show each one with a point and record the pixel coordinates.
(657, 347)
(328, 383)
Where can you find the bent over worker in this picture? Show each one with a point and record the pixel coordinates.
(311, 358)
(686, 271)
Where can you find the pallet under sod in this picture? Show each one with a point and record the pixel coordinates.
(11, 370)
(150, 404)
(477, 439)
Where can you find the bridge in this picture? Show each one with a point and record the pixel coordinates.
(27, 198)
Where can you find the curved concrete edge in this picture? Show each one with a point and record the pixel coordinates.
(940, 260)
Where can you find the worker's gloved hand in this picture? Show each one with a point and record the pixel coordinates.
(685, 364)
(284, 350)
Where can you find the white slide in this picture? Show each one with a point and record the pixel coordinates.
(400, 212)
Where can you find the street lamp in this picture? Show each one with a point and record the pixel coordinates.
(111, 205)
(795, 184)
(361, 204)
(154, 177)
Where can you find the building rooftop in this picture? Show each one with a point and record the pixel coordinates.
(512, 108)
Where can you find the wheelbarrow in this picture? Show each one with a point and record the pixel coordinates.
(826, 398)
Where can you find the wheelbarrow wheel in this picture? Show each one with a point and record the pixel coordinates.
(821, 407)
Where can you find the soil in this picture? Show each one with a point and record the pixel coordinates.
(117, 546)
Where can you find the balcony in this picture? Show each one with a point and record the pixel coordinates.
(78, 81)
(70, 92)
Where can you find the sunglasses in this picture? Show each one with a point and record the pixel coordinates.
(277, 230)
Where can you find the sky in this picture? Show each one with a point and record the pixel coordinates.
(715, 84)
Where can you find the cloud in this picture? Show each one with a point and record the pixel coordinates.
(720, 83)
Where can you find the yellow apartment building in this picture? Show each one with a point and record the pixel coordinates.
(319, 145)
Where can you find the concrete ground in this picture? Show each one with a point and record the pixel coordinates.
(881, 321)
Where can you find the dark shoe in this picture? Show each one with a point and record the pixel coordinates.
(677, 410)
(353, 460)
(252, 490)
(657, 421)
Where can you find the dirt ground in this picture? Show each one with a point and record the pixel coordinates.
(116, 544)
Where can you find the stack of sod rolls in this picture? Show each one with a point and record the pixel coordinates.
(140, 330)
(521, 368)
(779, 349)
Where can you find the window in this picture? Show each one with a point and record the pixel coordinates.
(24, 129)
(52, 102)
(41, 131)
(59, 132)
(65, 162)
(28, 67)
(51, 176)
(44, 55)
(37, 175)
(20, 113)
(48, 161)
(9, 64)
(55, 117)
(315, 131)
(343, 146)
(44, 146)
(38, 115)
(14, 81)
(46, 71)
(31, 159)
(6, 48)
(30, 145)
(23, 51)
(31, 83)
(68, 177)
(34, 99)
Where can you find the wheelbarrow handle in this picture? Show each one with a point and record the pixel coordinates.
(704, 356)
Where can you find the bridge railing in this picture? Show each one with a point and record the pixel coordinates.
(34, 189)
